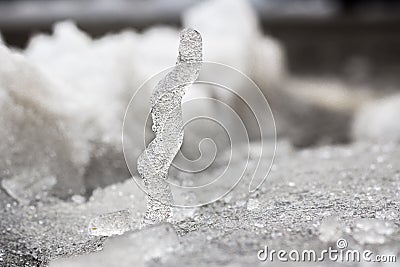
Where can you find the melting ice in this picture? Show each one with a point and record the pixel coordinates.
(154, 162)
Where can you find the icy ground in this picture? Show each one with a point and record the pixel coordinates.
(311, 198)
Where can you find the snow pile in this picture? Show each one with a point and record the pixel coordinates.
(378, 120)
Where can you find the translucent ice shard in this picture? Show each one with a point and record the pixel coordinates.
(131, 249)
(109, 224)
(154, 162)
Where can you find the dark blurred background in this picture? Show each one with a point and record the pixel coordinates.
(321, 37)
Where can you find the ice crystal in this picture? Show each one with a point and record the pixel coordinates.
(109, 224)
(154, 162)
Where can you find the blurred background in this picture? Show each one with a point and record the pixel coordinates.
(357, 39)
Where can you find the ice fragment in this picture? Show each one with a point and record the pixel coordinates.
(113, 223)
(154, 162)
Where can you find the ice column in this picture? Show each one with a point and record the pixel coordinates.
(154, 162)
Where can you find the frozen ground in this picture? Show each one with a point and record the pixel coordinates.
(311, 198)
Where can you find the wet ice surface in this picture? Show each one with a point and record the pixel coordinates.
(311, 198)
